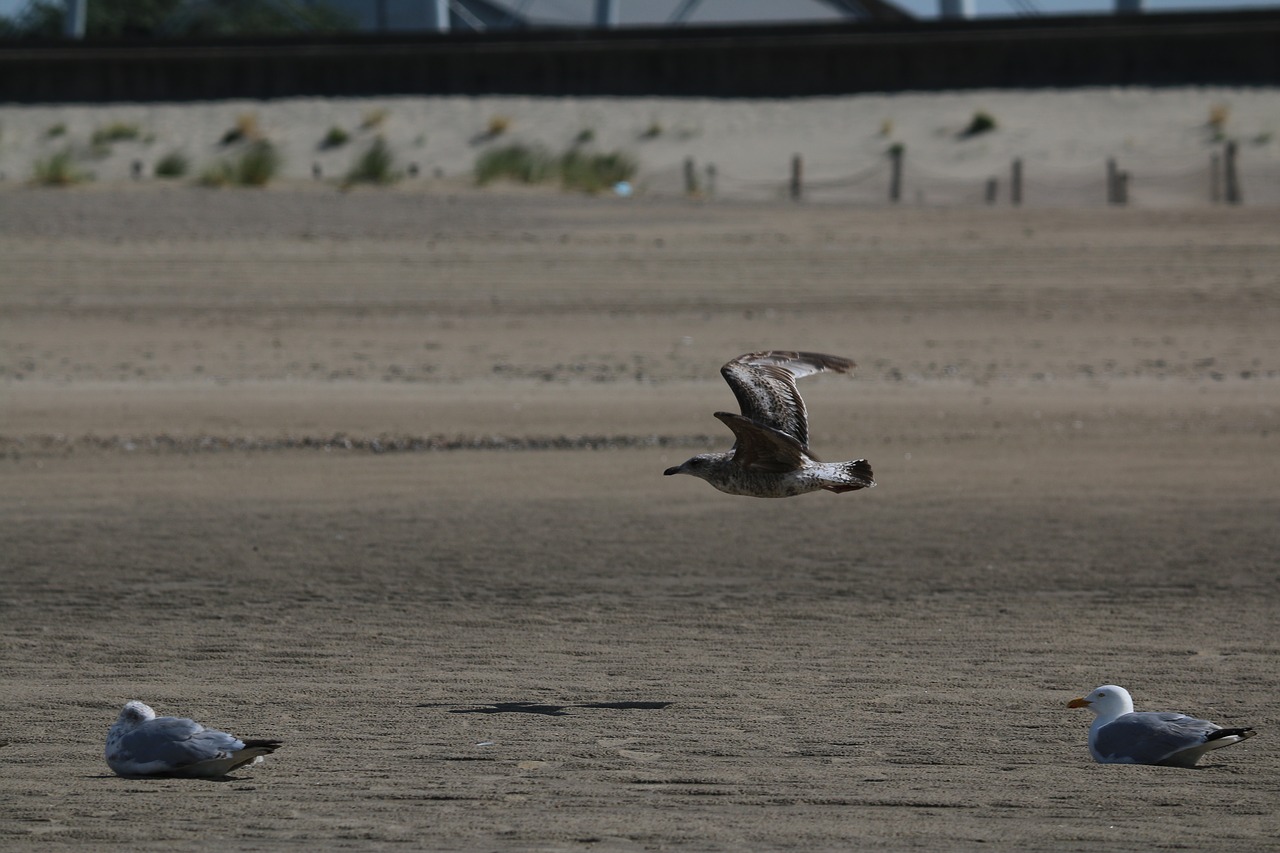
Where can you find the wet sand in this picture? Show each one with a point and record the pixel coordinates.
(380, 475)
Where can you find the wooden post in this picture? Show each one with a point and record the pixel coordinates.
(895, 172)
(690, 177)
(1111, 181)
(797, 177)
(711, 179)
(1015, 183)
(1122, 188)
(1231, 180)
(1215, 178)
(993, 189)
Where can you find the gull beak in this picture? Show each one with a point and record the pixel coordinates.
(1078, 703)
(674, 469)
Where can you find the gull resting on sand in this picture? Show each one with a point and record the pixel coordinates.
(142, 744)
(1120, 735)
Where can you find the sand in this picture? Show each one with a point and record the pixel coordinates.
(379, 474)
(1164, 138)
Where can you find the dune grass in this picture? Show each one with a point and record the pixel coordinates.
(256, 166)
(576, 169)
(526, 164)
(175, 164)
(59, 170)
(375, 166)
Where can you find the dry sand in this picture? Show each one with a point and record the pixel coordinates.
(1074, 419)
(1163, 137)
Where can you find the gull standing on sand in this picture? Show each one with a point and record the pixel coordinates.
(1122, 736)
(771, 458)
(142, 744)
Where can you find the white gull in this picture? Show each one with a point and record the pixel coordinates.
(142, 744)
(1120, 735)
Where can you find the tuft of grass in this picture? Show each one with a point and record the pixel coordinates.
(594, 172)
(374, 119)
(576, 169)
(118, 131)
(246, 129)
(1216, 124)
(219, 174)
(982, 122)
(498, 125)
(375, 166)
(523, 163)
(653, 131)
(255, 167)
(173, 165)
(585, 137)
(56, 131)
(335, 138)
(58, 170)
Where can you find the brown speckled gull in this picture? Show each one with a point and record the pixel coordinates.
(771, 457)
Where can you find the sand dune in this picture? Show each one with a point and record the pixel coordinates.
(1163, 137)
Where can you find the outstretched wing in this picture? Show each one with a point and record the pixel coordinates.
(1150, 737)
(765, 385)
(762, 448)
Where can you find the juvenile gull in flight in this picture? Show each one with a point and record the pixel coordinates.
(771, 458)
(1122, 736)
(142, 744)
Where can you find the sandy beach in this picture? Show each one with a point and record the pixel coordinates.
(379, 474)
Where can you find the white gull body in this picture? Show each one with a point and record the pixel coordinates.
(142, 744)
(1120, 735)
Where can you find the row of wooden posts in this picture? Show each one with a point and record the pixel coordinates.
(1224, 179)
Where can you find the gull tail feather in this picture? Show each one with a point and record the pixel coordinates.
(852, 476)
(1242, 734)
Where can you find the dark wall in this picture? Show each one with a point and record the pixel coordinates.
(1229, 48)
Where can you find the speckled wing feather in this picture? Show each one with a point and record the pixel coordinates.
(765, 385)
(763, 448)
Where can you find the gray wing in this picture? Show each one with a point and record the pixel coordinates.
(762, 448)
(1150, 737)
(176, 742)
(765, 385)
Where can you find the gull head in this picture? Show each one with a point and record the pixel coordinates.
(134, 714)
(699, 466)
(1107, 701)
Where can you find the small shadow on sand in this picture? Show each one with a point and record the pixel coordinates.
(549, 710)
(514, 708)
(163, 776)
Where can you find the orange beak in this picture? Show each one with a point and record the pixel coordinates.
(1078, 703)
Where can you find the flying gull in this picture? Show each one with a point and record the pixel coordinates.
(142, 744)
(1122, 736)
(771, 458)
